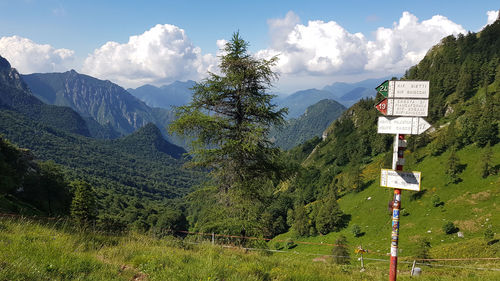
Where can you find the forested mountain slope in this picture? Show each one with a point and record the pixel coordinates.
(107, 103)
(459, 159)
(310, 124)
(15, 95)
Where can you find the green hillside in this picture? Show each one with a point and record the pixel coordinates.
(15, 95)
(141, 167)
(310, 124)
(459, 159)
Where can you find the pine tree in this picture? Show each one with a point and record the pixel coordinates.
(487, 129)
(329, 216)
(230, 116)
(301, 221)
(486, 162)
(453, 167)
(340, 252)
(83, 206)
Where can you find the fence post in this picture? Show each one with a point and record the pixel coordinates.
(213, 238)
(413, 267)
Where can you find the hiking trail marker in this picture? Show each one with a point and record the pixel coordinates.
(402, 125)
(405, 103)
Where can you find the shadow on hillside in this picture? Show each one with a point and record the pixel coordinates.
(493, 242)
(344, 220)
(461, 167)
(417, 195)
(365, 185)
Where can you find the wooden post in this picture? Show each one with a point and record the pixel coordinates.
(362, 263)
(413, 267)
(213, 238)
(397, 164)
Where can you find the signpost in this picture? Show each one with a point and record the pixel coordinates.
(401, 180)
(404, 89)
(403, 107)
(402, 125)
(408, 102)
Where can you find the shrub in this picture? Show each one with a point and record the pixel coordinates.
(340, 252)
(488, 235)
(356, 230)
(423, 248)
(436, 201)
(449, 228)
(290, 244)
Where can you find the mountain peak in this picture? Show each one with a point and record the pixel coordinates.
(149, 139)
(4, 63)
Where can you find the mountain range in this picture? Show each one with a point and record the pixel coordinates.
(176, 94)
(312, 123)
(142, 165)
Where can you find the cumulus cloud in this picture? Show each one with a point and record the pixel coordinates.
(406, 43)
(28, 57)
(492, 16)
(326, 48)
(160, 55)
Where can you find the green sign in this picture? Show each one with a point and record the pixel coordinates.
(383, 88)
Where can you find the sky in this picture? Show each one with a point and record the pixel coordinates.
(139, 42)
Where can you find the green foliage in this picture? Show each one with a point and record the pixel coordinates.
(453, 168)
(230, 117)
(311, 124)
(329, 217)
(140, 165)
(83, 206)
(488, 234)
(300, 221)
(41, 185)
(356, 230)
(487, 167)
(449, 228)
(436, 201)
(340, 251)
(423, 249)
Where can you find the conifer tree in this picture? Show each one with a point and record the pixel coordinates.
(340, 252)
(453, 167)
(486, 162)
(83, 206)
(230, 116)
(329, 216)
(301, 221)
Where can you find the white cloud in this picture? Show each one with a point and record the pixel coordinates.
(160, 55)
(492, 16)
(28, 57)
(406, 43)
(326, 48)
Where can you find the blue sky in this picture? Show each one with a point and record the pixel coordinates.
(77, 31)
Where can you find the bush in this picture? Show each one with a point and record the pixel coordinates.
(404, 213)
(423, 248)
(356, 230)
(488, 235)
(289, 244)
(436, 201)
(449, 228)
(340, 252)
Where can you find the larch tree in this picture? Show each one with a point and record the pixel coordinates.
(229, 118)
(84, 205)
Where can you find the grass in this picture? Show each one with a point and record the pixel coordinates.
(35, 250)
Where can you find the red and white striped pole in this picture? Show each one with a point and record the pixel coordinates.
(397, 164)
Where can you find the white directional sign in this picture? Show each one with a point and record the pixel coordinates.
(408, 89)
(407, 107)
(402, 125)
(400, 180)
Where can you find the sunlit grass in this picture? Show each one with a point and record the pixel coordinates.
(34, 250)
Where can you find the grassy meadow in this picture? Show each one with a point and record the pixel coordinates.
(36, 250)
